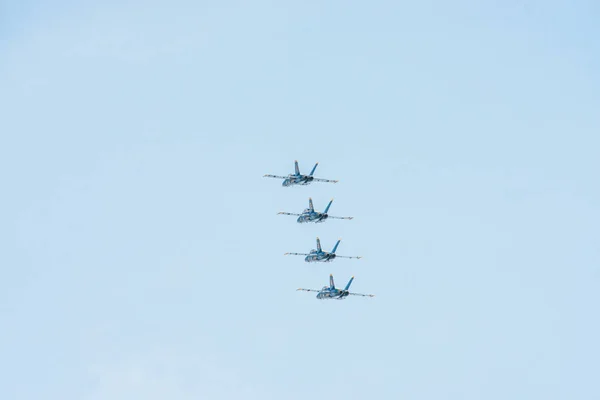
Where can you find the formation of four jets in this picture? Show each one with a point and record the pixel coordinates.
(310, 215)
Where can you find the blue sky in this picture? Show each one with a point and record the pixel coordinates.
(141, 254)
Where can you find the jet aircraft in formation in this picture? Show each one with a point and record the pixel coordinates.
(297, 178)
(310, 215)
(319, 255)
(331, 292)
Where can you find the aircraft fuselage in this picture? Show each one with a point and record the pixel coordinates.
(297, 180)
(312, 217)
(328, 293)
(320, 257)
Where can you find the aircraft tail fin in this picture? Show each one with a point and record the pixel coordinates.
(349, 283)
(313, 170)
(310, 204)
(328, 205)
(296, 167)
(319, 245)
(331, 284)
(336, 246)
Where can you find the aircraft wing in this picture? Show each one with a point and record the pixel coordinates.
(340, 217)
(274, 176)
(324, 180)
(308, 290)
(296, 254)
(360, 294)
(358, 257)
(286, 213)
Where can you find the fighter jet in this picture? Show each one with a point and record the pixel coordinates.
(310, 215)
(319, 255)
(331, 292)
(298, 179)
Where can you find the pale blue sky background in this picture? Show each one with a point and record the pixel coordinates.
(141, 256)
